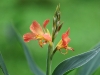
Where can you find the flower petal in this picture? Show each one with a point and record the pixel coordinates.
(69, 48)
(28, 36)
(47, 37)
(67, 32)
(36, 28)
(65, 38)
(59, 45)
(45, 23)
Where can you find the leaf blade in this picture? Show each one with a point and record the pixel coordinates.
(3, 66)
(34, 68)
(74, 62)
(90, 68)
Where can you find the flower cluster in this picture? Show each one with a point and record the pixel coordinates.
(41, 33)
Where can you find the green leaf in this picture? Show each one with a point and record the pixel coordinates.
(2, 65)
(91, 66)
(68, 72)
(76, 61)
(34, 68)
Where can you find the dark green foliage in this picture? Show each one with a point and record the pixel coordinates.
(91, 66)
(34, 68)
(76, 61)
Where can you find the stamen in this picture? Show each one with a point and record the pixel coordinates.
(63, 53)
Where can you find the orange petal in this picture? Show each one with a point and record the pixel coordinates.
(45, 23)
(28, 36)
(36, 28)
(65, 38)
(47, 37)
(67, 32)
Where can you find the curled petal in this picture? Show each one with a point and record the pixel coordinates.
(45, 23)
(36, 28)
(28, 36)
(64, 53)
(47, 37)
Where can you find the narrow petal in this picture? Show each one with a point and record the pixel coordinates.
(45, 23)
(36, 28)
(47, 37)
(28, 36)
(69, 48)
(67, 32)
(59, 45)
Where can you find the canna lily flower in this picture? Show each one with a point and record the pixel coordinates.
(38, 33)
(63, 43)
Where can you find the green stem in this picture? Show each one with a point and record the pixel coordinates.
(54, 51)
(49, 60)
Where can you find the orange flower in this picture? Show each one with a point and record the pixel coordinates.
(63, 43)
(38, 33)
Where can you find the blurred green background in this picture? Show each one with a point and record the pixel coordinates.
(82, 16)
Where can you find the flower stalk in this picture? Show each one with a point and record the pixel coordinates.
(49, 60)
(56, 27)
(43, 36)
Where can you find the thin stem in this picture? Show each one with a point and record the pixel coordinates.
(49, 60)
(54, 51)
